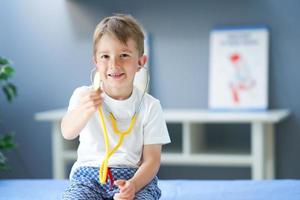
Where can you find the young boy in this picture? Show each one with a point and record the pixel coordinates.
(118, 55)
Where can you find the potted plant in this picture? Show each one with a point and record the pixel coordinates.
(10, 92)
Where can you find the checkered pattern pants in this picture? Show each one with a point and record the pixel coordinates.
(85, 185)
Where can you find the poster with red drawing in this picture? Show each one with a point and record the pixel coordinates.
(238, 71)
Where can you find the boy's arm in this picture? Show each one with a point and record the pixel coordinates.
(149, 167)
(75, 120)
(145, 173)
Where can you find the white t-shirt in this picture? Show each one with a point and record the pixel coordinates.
(150, 128)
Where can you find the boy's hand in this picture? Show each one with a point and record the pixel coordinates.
(90, 101)
(75, 120)
(127, 190)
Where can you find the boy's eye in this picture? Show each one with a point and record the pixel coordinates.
(124, 55)
(104, 56)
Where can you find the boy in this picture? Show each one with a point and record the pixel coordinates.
(118, 55)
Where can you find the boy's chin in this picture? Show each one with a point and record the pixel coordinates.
(118, 85)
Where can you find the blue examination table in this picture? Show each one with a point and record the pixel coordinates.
(171, 189)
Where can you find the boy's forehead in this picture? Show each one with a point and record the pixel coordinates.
(108, 41)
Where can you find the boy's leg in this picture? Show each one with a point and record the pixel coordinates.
(84, 185)
(149, 192)
(80, 192)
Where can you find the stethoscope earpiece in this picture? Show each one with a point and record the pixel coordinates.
(97, 81)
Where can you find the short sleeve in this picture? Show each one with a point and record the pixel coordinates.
(75, 98)
(155, 128)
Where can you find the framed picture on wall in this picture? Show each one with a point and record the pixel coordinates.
(238, 71)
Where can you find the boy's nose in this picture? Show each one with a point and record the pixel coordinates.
(115, 62)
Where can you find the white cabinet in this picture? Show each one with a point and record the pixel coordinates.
(192, 151)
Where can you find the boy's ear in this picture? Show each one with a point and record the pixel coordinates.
(94, 60)
(142, 61)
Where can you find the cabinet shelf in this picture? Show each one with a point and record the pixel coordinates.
(188, 147)
(207, 159)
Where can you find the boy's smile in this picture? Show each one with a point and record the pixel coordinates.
(117, 63)
(116, 75)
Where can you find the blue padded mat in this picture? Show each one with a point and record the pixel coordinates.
(171, 189)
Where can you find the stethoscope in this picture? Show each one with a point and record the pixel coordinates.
(104, 171)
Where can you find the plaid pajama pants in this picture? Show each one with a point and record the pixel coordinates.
(85, 185)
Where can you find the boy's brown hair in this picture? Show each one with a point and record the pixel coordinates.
(124, 27)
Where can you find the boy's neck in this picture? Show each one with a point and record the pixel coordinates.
(118, 94)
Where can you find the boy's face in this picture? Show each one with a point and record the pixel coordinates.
(117, 63)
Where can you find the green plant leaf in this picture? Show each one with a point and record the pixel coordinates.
(2, 158)
(6, 72)
(6, 142)
(3, 61)
(3, 165)
(10, 91)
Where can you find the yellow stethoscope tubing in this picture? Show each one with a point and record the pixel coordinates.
(122, 134)
(104, 166)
